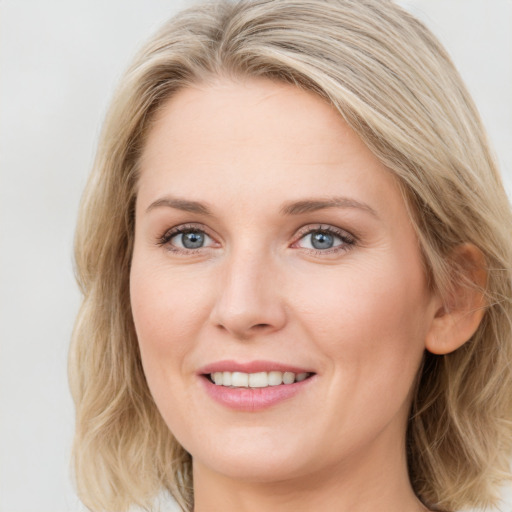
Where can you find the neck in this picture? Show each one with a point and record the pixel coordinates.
(378, 480)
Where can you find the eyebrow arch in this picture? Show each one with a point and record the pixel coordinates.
(289, 208)
(180, 204)
(313, 205)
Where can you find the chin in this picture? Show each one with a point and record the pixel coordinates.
(253, 456)
(261, 470)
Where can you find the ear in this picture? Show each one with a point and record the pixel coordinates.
(463, 306)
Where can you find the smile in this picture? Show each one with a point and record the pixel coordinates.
(256, 380)
(254, 386)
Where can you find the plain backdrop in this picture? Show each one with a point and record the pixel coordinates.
(59, 63)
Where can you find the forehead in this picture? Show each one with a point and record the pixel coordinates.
(252, 110)
(257, 136)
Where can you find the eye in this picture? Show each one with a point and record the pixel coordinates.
(183, 239)
(325, 239)
(190, 240)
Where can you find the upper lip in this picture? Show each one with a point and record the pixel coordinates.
(251, 367)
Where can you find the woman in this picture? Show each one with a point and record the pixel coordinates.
(295, 258)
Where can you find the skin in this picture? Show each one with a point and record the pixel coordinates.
(359, 315)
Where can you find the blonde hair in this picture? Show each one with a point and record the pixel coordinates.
(397, 88)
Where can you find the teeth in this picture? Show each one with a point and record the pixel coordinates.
(226, 379)
(275, 378)
(256, 380)
(288, 378)
(239, 380)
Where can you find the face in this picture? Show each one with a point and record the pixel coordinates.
(274, 256)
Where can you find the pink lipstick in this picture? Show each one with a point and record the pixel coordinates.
(255, 385)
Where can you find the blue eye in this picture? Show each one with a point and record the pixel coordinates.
(325, 239)
(321, 240)
(187, 239)
(192, 240)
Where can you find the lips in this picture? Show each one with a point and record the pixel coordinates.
(251, 367)
(254, 385)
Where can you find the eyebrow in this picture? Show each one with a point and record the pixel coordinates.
(180, 204)
(290, 208)
(313, 205)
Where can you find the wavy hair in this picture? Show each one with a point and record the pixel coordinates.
(397, 88)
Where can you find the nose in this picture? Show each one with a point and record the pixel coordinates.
(249, 301)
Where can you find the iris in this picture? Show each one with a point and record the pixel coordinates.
(321, 240)
(192, 240)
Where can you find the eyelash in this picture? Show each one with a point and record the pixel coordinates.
(166, 238)
(348, 240)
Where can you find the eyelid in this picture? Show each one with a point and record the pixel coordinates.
(169, 234)
(348, 239)
(305, 230)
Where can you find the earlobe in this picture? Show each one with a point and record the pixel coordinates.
(463, 305)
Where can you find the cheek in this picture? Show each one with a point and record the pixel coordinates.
(166, 310)
(368, 319)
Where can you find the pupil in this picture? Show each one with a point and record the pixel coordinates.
(192, 240)
(322, 241)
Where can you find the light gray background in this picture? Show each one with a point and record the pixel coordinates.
(59, 62)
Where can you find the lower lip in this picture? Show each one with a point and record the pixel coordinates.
(253, 399)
